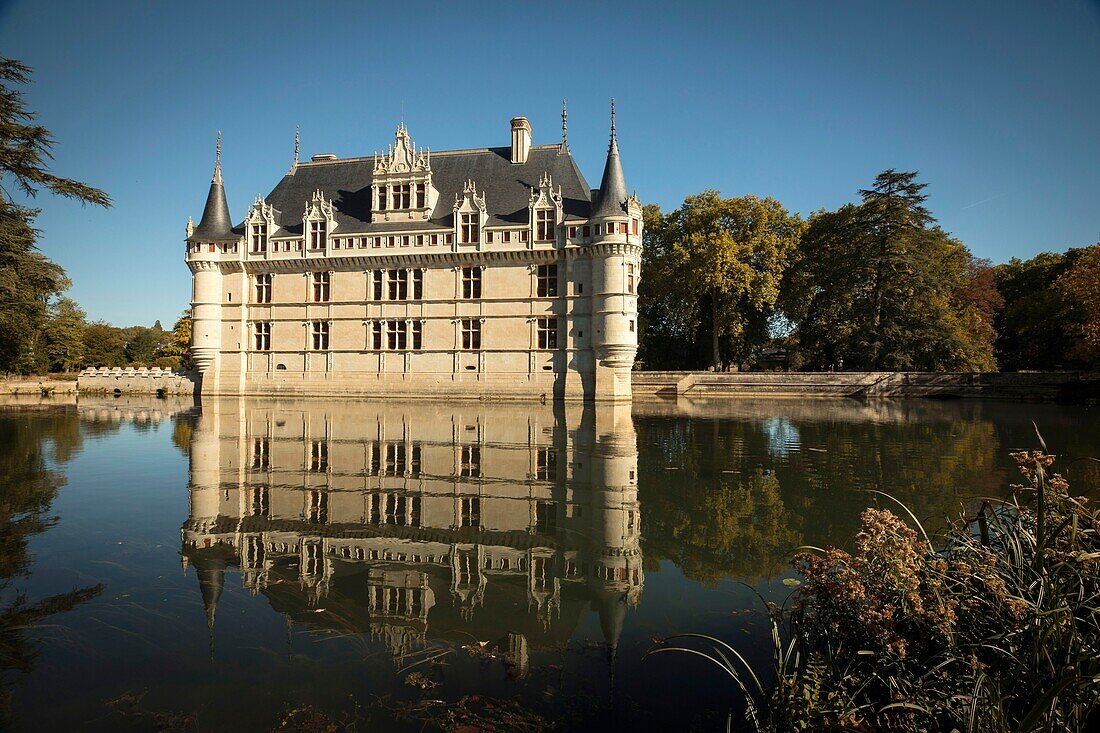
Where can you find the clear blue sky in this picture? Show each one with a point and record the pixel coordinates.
(996, 103)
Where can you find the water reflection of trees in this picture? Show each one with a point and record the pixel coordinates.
(730, 495)
(28, 486)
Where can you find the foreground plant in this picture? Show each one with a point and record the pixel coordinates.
(996, 630)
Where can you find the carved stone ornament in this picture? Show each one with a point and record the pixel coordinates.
(403, 156)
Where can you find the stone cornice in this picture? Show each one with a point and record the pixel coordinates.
(418, 259)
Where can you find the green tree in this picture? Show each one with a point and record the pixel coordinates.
(1035, 329)
(878, 286)
(65, 335)
(719, 263)
(104, 345)
(28, 279)
(145, 345)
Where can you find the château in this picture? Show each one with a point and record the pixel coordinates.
(484, 273)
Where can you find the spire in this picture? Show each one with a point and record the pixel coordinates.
(613, 186)
(211, 572)
(218, 160)
(564, 127)
(216, 223)
(297, 147)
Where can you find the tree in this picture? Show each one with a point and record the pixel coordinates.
(65, 336)
(104, 345)
(28, 279)
(1080, 284)
(717, 264)
(878, 286)
(144, 345)
(179, 344)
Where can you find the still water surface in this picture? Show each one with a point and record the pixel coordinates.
(225, 564)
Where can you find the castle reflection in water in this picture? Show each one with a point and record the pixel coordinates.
(420, 523)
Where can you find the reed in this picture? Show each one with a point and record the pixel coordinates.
(997, 630)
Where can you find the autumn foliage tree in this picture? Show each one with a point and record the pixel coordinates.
(1081, 285)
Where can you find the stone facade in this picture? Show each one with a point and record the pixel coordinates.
(492, 272)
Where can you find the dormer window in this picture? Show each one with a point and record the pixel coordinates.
(317, 230)
(544, 225)
(471, 228)
(259, 237)
(401, 196)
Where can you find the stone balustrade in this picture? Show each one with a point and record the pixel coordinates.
(137, 380)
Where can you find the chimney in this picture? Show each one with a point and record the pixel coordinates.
(521, 139)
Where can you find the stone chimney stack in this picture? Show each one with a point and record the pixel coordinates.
(521, 139)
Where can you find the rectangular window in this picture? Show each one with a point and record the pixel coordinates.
(471, 334)
(548, 333)
(471, 282)
(421, 195)
(398, 281)
(449, 238)
(376, 241)
(377, 278)
(317, 230)
(471, 511)
(544, 229)
(398, 335)
(382, 198)
(418, 285)
(488, 237)
(586, 231)
(572, 232)
(471, 461)
(262, 332)
(547, 281)
(401, 196)
(259, 237)
(377, 328)
(405, 241)
(632, 326)
(506, 237)
(261, 501)
(471, 228)
(546, 468)
(546, 517)
(321, 283)
(634, 226)
(630, 277)
(523, 235)
(260, 453)
(419, 240)
(263, 288)
(435, 239)
(417, 335)
(319, 331)
(318, 456)
(318, 508)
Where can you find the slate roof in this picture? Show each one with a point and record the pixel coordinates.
(612, 195)
(215, 223)
(506, 188)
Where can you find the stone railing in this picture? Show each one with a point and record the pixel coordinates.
(137, 380)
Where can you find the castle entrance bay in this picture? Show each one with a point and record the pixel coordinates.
(388, 562)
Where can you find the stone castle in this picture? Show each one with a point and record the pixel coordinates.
(488, 272)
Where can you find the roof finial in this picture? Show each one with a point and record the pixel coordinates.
(613, 135)
(218, 159)
(297, 145)
(564, 127)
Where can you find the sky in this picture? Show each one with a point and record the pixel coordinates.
(996, 103)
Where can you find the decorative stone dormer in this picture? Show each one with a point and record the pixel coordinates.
(259, 225)
(545, 211)
(470, 216)
(318, 222)
(402, 184)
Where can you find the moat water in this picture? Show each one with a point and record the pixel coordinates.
(386, 565)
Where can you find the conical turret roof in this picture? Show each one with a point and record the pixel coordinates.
(613, 192)
(216, 223)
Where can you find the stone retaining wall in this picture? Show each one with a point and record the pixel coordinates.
(1007, 385)
(139, 380)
